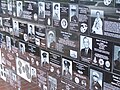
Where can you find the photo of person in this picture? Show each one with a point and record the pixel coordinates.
(21, 47)
(3, 72)
(56, 11)
(41, 9)
(8, 42)
(52, 82)
(67, 68)
(116, 62)
(33, 74)
(13, 42)
(31, 31)
(1, 21)
(44, 58)
(1, 37)
(73, 13)
(19, 8)
(85, 46)
(97, 24)
(14, 76)
(95, 80)
(51, 39)
(15, 28)
(9, 3)
(1, 57)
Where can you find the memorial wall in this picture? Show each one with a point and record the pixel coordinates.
(60, 44)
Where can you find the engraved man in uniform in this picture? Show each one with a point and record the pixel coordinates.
(41, 11)
(66, 71)
(44, 61)
(56, 10)
(74, 17)
(95, 84)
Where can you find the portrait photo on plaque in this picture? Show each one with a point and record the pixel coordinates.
(33, 74)
(41, 9)
(51, 39)
(8, 42)
(3, 72)
(19, 8)
(67, 68)
(86, 47)
(73, 13)
(9, 6)
(95, 80)
(97, 21)
(56, 11)
(31, 32)
(44, 58)
(1, 22)
(22, 47)
(116, 60)
(52, 83)
(3, 8)
(15, 28)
